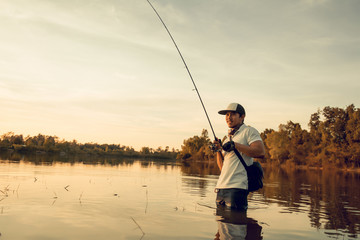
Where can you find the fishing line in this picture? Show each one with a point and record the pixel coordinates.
(177, 48)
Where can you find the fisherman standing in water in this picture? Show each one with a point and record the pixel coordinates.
(232, 184)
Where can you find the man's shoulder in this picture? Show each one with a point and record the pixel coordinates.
(248, 128)
(251, 134)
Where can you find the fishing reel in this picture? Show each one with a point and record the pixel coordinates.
(213, 147)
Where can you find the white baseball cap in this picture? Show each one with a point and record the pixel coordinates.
(233, 107)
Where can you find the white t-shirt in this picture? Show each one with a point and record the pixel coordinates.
(233, 173)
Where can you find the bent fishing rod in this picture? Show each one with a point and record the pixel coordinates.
(183, 60)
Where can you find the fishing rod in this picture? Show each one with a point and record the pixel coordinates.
(182, 58)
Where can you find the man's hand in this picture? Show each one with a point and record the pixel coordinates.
(229, 146)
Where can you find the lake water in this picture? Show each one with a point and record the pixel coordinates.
(143, 199)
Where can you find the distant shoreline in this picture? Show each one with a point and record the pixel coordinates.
(42, 144)
(8, 153)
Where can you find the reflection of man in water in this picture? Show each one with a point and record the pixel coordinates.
(233, 224)
(233, 184)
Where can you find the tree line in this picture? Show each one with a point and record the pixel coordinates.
(52, 144)
(333, 139)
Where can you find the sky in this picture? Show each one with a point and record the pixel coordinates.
(106, 71)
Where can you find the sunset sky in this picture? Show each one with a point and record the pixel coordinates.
(107, 72)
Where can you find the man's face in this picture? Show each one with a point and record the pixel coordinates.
(233, 119)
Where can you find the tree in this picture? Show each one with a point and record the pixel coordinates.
(352, 131)
(196, 147)
(145, 151)
(333, 139)
(278, 144)
(49, 143)
(264, 135)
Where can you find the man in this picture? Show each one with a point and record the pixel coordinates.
(232, 184)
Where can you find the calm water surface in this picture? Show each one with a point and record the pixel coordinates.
(137, 199)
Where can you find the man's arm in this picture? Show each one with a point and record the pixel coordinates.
(219, 156)
(220, 160)
(255, 150)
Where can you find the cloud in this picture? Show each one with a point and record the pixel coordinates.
(108, 70)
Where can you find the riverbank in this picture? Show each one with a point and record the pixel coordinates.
(43, 144)
(102, 158)
(292, 166)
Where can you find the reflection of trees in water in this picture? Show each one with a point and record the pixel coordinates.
(195, 186)
(202, 168)
(195, 183)
(49, 159)
(330, 196)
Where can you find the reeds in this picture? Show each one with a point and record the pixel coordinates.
(143, 233)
